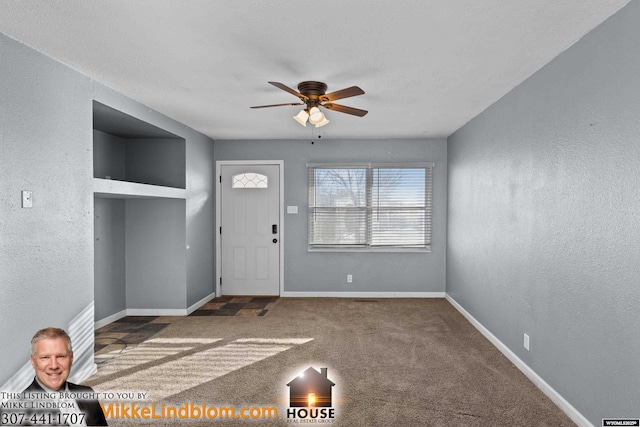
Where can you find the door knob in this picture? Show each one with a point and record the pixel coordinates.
(275, 240)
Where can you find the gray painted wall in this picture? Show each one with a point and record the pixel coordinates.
(139, 255)
(109, 156)
(543, 231)
(155, 237)
(372, 272)
(156, 161)
(47, 252)
(110, 257)
(200, 217)
(109, 159)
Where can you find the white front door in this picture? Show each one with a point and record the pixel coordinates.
(250, 229)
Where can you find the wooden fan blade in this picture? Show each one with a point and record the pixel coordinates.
(288, 89)
(344, 109)
(277, 105)
(340, 94)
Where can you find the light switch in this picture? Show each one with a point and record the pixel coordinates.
(292, 209)
(27, 199)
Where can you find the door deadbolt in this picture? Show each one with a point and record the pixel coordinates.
(275, 240)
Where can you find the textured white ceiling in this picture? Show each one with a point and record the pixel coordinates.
(427, 66)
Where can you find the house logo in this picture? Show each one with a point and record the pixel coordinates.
(310, 397)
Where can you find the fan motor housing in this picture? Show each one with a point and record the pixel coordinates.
(312, 89)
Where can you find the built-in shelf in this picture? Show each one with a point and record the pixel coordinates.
(140, 226)
(127, 149)
(109, 188)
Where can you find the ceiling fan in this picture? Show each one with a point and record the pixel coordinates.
(312, 94)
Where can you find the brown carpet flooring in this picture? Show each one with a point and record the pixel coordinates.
(394, 362)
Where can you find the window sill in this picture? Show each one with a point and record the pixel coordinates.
(371, 250)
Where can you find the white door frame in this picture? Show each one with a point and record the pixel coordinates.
(221, 163)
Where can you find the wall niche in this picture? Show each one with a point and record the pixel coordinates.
(139, 181)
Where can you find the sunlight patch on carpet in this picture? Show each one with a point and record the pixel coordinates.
(295, 341)
(181, 340)
(149, 351)
(177, 375)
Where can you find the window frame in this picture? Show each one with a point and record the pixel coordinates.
(370, 209)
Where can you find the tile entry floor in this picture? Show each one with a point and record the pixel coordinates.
(113, 339)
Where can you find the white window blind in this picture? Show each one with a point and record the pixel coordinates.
(370, 206)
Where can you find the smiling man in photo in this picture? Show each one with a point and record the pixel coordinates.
(65, 402)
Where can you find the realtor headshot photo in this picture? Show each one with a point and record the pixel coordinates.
(51, 399)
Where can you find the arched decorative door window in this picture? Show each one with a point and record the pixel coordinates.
(250, 180)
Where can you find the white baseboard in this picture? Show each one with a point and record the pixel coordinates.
(555, 397)
(153, 312)
(200, 303)
(296, 294)
(110, 319)
(156, 311)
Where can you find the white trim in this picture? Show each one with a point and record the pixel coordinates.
(555, 397)
(153, 312)
(200, 303)
(110, 319)
(108, 188)
(296, 294)
(156, 312)
(219, 164)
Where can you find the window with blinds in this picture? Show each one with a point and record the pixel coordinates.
(370, 206)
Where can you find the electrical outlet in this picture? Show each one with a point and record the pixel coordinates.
(526, 341)
(349, 278)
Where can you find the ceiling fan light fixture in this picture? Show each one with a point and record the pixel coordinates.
(323, 122)
(302, 117)
(315, 116)
(314, 95)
